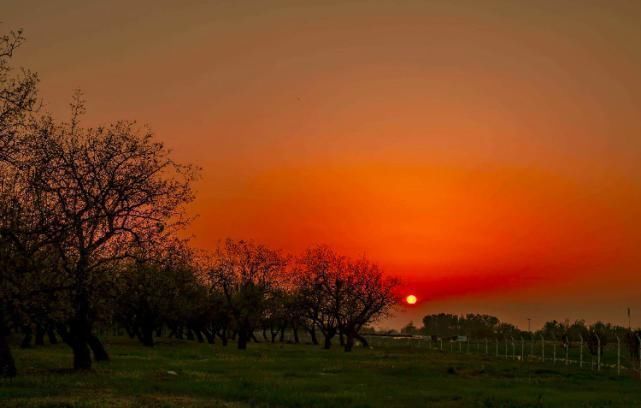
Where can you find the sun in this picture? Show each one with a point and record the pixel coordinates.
(411, 299)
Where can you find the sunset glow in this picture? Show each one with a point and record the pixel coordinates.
(486, 155)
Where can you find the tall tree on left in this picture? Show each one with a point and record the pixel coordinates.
(101, 194)
(18, 100)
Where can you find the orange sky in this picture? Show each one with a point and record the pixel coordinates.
(489, 152)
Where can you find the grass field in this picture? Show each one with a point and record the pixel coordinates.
(266, 375)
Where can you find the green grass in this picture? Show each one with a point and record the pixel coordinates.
(389, 375)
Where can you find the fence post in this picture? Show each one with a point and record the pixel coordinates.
(460, 347)
(506, 348)
(639, 341)
(554, 352)
(598, 352)
(567, 350)
(618, 356)
(486, 352)
(522, 349)
(497, 347)
(542, 349)
(441, 340)
(513, 348)
(581, 351)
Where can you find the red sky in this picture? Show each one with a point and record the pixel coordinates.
(487, 152)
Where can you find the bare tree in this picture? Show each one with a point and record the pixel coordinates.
(159, 286)
(368, 296)
(248, 277)
(18, 97)
(321, 289)
(341, 296)
(98, 193)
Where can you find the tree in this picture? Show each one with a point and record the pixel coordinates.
(554, 329)
(18, 98)
(159, 286)
(442, 324)
(367, 294)
(98, 193)
(597, 340)
(318, 280)
(409, 328)
(248, 277)
(632, 340)
(341, 296)
(479, 325)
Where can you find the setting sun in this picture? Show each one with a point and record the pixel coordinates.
(411, 299)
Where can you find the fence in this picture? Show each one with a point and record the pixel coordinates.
(612, 356)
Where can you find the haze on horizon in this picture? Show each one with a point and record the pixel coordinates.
(487, 152)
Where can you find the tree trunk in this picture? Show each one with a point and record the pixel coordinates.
(146, 336)
(329, 334)
(131, 332)
(328, 343)
(296, 338)
(242, 339)
(28, 335)
(77, 337)
(81, 355)
(99, 352)
(199, 336)
(349, 342)
(342, 338)
(40, 336)
(210, 335)
(281, 338)
(362, 339)
(312, 333)
(52, 336)
(7, 363)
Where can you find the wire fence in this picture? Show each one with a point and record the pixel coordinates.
(612, 357)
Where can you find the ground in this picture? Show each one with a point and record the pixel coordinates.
(180, 374)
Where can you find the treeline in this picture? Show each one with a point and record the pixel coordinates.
(471, 325)
(481, 326)
(89, 223)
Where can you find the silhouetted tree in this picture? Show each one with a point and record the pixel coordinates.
(632, 340)
(442, 324)
(321, 286)
(158, 287)
(597, 335)
(248, 277)
(18, 98)
(368, 295)
(409, 328)
(98, 192)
